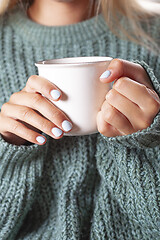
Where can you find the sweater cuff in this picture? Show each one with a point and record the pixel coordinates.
(151, 75)
(20, 161)
(146, 138)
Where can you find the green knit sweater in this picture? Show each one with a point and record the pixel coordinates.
(85, 187)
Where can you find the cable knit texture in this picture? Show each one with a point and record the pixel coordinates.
(85, 187)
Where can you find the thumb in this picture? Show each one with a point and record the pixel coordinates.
(121, 68)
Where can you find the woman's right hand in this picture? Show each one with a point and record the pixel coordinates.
(29, 112)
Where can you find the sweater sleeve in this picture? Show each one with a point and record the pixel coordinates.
(130, 187)
(20, 172)
(129, 167)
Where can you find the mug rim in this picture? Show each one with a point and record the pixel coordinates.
(69, 61)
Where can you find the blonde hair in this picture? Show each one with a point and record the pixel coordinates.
(135, 11)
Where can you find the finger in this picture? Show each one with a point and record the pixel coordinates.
(138, 93)
(129, 109)
(121, 68)
(29, 116)
(43, 86)
(115, 118)
(105, 128)
(12, 126)
(44, 107)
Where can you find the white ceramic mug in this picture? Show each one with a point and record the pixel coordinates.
(82, 91)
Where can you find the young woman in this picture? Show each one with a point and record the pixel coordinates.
(100, 186)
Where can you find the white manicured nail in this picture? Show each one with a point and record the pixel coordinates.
(106, 74)
(40, 139)
(56, 132)
(55, 94)
(66, 125)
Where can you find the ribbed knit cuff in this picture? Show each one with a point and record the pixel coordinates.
(20, 162)
(146, 138)
(151, 74)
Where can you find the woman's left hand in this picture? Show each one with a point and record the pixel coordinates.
(131, 104)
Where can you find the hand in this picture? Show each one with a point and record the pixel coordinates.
(29, 112)
(131, 104)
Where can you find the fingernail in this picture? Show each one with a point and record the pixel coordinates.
(106, 74)
(66, 125)
(40, 139)
(56, 132)
(55, 94)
